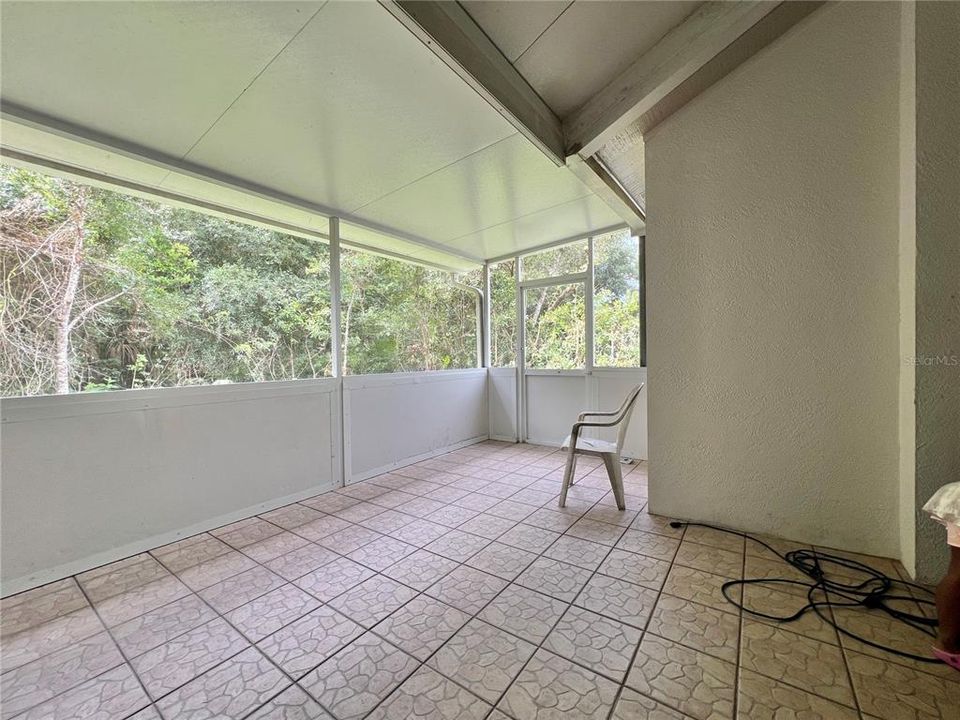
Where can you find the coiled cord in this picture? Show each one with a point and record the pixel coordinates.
(876, 591)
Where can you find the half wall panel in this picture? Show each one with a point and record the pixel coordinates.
(502, 399)
(92, 478)
(397, 419)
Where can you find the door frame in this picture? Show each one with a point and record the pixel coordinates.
(586, 279)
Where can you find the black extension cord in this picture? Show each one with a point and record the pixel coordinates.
(875, 592)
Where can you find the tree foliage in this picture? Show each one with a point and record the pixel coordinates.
(164, 296)
(107, 291)
(556, 316)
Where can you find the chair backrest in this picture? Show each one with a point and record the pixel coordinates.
(625, 413)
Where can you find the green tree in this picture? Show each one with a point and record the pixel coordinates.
(166, 296)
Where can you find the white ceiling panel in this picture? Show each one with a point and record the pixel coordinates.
(513, 26)
(504, 181)
(353, 109)
(566, 220)
(243, 200)
(355, 236)
(282, 114)
(591, 43)
(90, 163)
(162, 71)
(32, 140)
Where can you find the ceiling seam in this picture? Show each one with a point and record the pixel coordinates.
(434, 172)
(534, 42)
(588, 193)
(255, 78)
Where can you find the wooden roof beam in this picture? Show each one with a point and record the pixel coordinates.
(710, 43)
(454, 37)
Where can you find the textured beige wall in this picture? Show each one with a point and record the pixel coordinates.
(938, 268)
(772, 290)
(907, 289)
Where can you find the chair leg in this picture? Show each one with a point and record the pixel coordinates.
(568, 473)
(616, 478)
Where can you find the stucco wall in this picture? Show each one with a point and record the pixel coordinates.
(937, 268)
(907, 287)
(772, 243)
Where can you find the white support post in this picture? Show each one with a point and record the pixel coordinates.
(520, 350)
(589, 388)
(336, 340)
(642, 287)
(336, 346)
(485, 359)
(588, 309)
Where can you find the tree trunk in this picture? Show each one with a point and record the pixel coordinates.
(77, 220)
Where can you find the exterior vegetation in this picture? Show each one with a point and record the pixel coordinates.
(107, 291)
(399, 317)
(555, 315)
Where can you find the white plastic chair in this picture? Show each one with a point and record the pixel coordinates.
(608, 451)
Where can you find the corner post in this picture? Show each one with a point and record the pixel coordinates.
(336, 351)
(336, 341)
(485, 318)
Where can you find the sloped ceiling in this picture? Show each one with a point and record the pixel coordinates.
(568, 51)
(315, 108)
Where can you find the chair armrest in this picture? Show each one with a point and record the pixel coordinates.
(596, 413)
(586, 423)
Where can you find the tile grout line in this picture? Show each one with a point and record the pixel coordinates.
(295, 681)
(127, 660)
(217, 664)
(423, 663)
(738, 669)
(476, 616)
(216, 612)
(643, 635)
(123, 655)
(257, 516)
(250, 640)
(846, 664)
(572, 603)
(561, 616)
(485, 605)
(251, 643)
(449, 529)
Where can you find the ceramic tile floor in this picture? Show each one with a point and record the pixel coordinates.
(453, 588)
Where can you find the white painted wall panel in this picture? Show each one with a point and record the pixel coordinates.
(88, 479)
(553, 402)
(611, 388)
(502, 402)
(393, 420)
(772, 289)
